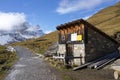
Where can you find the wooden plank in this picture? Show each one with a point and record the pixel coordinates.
(85, 65)
(104, 59)
(99, 67)
(82, 66)
(112, 57)
(97, 63)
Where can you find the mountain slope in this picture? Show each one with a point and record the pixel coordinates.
(20, 35)
(108, 19)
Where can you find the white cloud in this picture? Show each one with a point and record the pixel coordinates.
(10, 21)
(86, 17)
(67, 6)
(49, 31)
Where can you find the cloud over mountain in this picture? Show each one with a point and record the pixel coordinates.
(11, 21)
(14, 27)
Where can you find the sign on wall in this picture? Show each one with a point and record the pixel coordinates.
(75, 37)
(79, 37)
(73, 34)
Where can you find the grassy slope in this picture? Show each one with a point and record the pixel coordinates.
(6, 61)
(41, 44)
(108, 19)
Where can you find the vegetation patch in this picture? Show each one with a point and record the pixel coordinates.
(39, 45)
(107, 19)
(7, 59)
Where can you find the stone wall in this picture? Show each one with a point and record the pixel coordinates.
(61, 49)
(79, 51)
(97, 45)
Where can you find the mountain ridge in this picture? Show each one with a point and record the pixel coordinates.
(7, 37)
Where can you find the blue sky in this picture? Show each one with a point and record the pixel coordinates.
(50, 13)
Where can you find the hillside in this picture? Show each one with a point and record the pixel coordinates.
(39, 45)
(107, 20)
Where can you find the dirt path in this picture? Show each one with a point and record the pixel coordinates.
(30, 67)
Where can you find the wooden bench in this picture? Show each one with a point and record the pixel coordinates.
(116, 71)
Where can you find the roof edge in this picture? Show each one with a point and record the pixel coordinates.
(79, 21)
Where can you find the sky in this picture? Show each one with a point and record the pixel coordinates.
(47, 13)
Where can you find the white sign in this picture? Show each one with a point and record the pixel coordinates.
(74, 37)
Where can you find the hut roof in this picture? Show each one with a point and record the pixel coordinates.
(69, 24)
(81, 21)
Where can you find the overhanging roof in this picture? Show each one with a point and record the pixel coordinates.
(78, 22)
(69, 24)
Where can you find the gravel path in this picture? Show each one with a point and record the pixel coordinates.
(30, 67)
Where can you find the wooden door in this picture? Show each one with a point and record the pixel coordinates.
(69, 53)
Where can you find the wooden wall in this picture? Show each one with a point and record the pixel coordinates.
(64, 32)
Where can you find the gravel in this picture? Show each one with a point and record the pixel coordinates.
(30, 67)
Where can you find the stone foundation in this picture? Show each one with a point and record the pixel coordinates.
(61, 49)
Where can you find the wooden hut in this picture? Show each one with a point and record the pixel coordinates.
(80, 42)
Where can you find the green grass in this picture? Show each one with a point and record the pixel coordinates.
(7, 59)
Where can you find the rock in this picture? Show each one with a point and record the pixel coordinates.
(10, 48)
(39, 55)
(52, 50)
